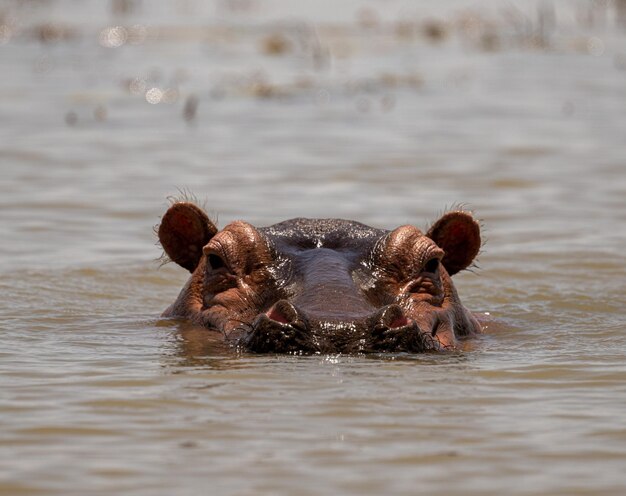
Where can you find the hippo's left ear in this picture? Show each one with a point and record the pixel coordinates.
(183, 232)
(458, 234)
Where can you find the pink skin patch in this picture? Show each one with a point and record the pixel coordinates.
(398, 322)
(277, 316)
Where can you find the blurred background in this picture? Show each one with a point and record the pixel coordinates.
(385, 112)
(382, 111)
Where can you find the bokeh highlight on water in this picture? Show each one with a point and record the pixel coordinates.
(382, 112)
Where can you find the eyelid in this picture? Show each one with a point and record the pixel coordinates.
(220, 245)
(211, 248)
(433, 252)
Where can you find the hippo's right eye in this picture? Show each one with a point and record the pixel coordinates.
(216, 262)
(432, 265)
(219, 275)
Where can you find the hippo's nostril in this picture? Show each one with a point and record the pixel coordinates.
(390, 317)
(398, 322)
(283, 312)
(281, 329)
(277, 316)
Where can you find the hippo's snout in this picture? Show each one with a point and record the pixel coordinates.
(284, 328)
(393, 331)
(280, 330)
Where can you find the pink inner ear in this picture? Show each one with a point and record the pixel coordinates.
(277, 316)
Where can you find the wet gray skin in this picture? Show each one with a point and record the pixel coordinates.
(323, 285)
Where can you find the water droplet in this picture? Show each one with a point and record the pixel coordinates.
(154, 95)
(113, 37)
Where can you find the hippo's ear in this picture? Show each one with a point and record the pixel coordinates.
(183, 232)
(458, 234)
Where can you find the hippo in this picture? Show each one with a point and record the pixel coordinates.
(323, 286)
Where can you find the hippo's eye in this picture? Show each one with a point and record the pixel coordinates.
(432, 265)
(215, 261)
(427, 285)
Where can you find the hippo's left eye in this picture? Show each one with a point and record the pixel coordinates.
(432, 265)
(215, 261)
(427, 283)
(219, 276)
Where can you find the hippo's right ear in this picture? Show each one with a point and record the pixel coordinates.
(458, 234)
(183, 232)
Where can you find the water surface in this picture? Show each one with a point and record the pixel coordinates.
(267, 110)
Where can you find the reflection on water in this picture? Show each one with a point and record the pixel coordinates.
(272, 109)
(193, 346)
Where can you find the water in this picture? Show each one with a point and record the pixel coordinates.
(385, 114)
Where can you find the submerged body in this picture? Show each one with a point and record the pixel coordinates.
(323, 285)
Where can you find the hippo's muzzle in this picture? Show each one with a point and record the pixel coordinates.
(287, 329)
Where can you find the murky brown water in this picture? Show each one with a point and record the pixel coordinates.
(384, 113)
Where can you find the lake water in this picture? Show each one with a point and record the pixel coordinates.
(381, 112)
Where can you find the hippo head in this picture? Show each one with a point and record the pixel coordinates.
(323, 285)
